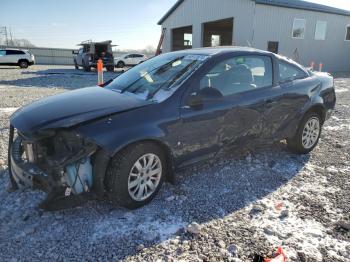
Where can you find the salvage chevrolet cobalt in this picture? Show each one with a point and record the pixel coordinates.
(124, 140)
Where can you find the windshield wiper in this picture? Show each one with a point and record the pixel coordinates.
(174, 79)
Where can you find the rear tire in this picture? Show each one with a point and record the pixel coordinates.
(137, 168)
(87, 68)
(307, 135)
(120, 64)
(110, 68)
(23, 64)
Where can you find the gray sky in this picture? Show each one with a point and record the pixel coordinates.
(65, 23)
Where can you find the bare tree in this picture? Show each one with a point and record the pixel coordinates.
(22, 43)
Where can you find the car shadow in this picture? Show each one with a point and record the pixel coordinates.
(59, 78)
(7, 68)
(202, 193)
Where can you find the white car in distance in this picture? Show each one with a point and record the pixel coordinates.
(129, 60)
(16, 57)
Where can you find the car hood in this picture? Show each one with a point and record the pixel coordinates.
(72, 108)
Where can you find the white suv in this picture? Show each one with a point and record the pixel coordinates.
(129, 60)
(18, 57)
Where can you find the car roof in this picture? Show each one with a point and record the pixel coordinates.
(14, 49)
(223, 49)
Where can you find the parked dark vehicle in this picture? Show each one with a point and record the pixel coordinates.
(171, 111)
(89, 53)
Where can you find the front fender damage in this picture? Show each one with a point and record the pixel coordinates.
(69, 167)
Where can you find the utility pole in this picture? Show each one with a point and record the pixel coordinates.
(7, 40)
(11, 36)
(3, 31)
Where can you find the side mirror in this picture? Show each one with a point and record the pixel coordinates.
(195, 100)
(207, 94)
(74, 52)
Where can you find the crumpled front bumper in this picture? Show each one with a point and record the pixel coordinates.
(25, 174)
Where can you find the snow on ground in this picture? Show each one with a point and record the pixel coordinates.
(8, 110)
(281, 222)
(151, 228)
(244, 203)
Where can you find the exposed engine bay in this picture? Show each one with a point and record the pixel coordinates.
(60, 165)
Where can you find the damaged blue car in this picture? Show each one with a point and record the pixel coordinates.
(125, 139)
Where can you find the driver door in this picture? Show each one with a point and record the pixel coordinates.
(231, 109)
(79, 57)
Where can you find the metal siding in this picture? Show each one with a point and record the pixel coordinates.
(267, 23)
(196, 12)
(49, 56)
(275, 24)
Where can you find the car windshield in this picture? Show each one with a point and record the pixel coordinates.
(157, 78)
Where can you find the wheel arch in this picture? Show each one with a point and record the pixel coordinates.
(163, 146)
(23, 60)
(319, 109)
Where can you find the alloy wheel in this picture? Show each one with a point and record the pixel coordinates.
(144, 177)
(311, 132)
(23, 64)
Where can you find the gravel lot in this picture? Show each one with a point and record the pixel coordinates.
(238, 205)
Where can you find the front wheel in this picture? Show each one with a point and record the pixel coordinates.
(135, 175)
(308, 134)
(120, 64)
(76, 65)
(23, 64)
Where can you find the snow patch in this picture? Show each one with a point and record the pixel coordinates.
(150, 228)
(8, 110)
(341, 90)
(337, 128)
(296, 234)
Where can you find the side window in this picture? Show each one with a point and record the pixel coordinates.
(239, 74)
(86, 49)
(10, 52)
(289, 72)
(321, 30)
(299, 27)
(2, 52)
(347, 33)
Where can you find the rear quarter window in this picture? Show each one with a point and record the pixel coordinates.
(289, 71)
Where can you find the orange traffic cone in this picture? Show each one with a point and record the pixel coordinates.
(281, 257)
(99, 72)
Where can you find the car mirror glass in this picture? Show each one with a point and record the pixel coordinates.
(195, 100)
(210, 94)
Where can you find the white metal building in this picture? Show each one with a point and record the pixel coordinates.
(304, 31)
